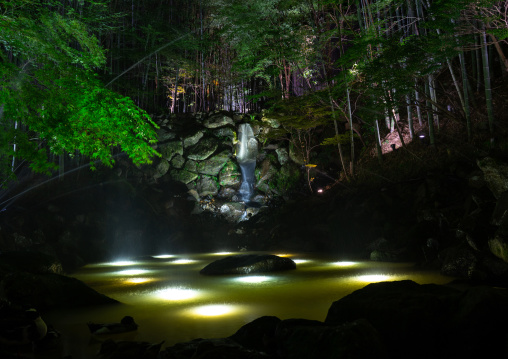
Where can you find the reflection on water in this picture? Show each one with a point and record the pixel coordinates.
(171, 301)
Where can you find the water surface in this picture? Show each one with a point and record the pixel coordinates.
(172, 302)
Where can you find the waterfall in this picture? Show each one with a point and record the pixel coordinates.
(247, 150)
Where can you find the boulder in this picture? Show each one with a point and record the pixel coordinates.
(223, 348)
(192, 139)
(161, 169)
(225, 133)
(248, 263)
(183, 176)
(217, 121)
(214, 164)
(303, 339)
(230, 174)
(48, 291)
(32, 262)
(202, 150)
(282, 155)
(178, 161)
(232, 211)
(170, 149)
(429, 321)
(206, 186)
(258, 335)
(495, 175)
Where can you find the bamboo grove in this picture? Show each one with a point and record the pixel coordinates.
(382, 65)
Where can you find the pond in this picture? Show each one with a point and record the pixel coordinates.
(172, 302)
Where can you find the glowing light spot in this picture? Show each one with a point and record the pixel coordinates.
(344, 264)
(138, 280)
(184, 261)
(371, 278)
(213, 310)
(222, 253)
(284, 255)
(176, 293)
(320, 190)
(163, 256)
(254, 279)
(300, 261)
(121, 263)
(132, 272)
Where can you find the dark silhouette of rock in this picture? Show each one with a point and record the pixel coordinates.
(46, 291)
(248, 263)
(127, 324)
(111, 349)
(430, 321)
(258, 335)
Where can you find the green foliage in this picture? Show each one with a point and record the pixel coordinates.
(49, 92)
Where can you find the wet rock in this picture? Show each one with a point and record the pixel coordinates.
(459, 261)
(178, 161)
(214, 164)
(183, 176)
(218, 121)
(161, 169)
(282, 155)
(206, 186)
(230, 174)
(170, 149)
(192, 139)
(202, 150)
(499, 246)
(248, 263)
(225, 132)
(232, 211)
(273, 123)
(495, 174)
(164, 134)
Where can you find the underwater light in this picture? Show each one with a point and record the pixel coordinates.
(222, 253)
(138, 280)
(254, 279)
(132, 272)
(344, 264)
(371, 278)
(284, 255)
(300, 261)
(120, 263)
(184, 261)
(175, 293)
(213, 310)
(162, 256)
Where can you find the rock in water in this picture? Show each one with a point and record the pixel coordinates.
(248, 263)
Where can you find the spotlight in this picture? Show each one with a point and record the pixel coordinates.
(254, 279)
(344, 264)
(213, 310)
(371, 278)
(184, 261)
(163, 256)
(176, 294)
(132, 272)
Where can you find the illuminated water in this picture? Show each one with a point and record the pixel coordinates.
(171, 301)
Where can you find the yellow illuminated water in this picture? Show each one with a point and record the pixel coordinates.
(172, 302)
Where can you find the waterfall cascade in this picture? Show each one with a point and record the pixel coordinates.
(247, 150)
